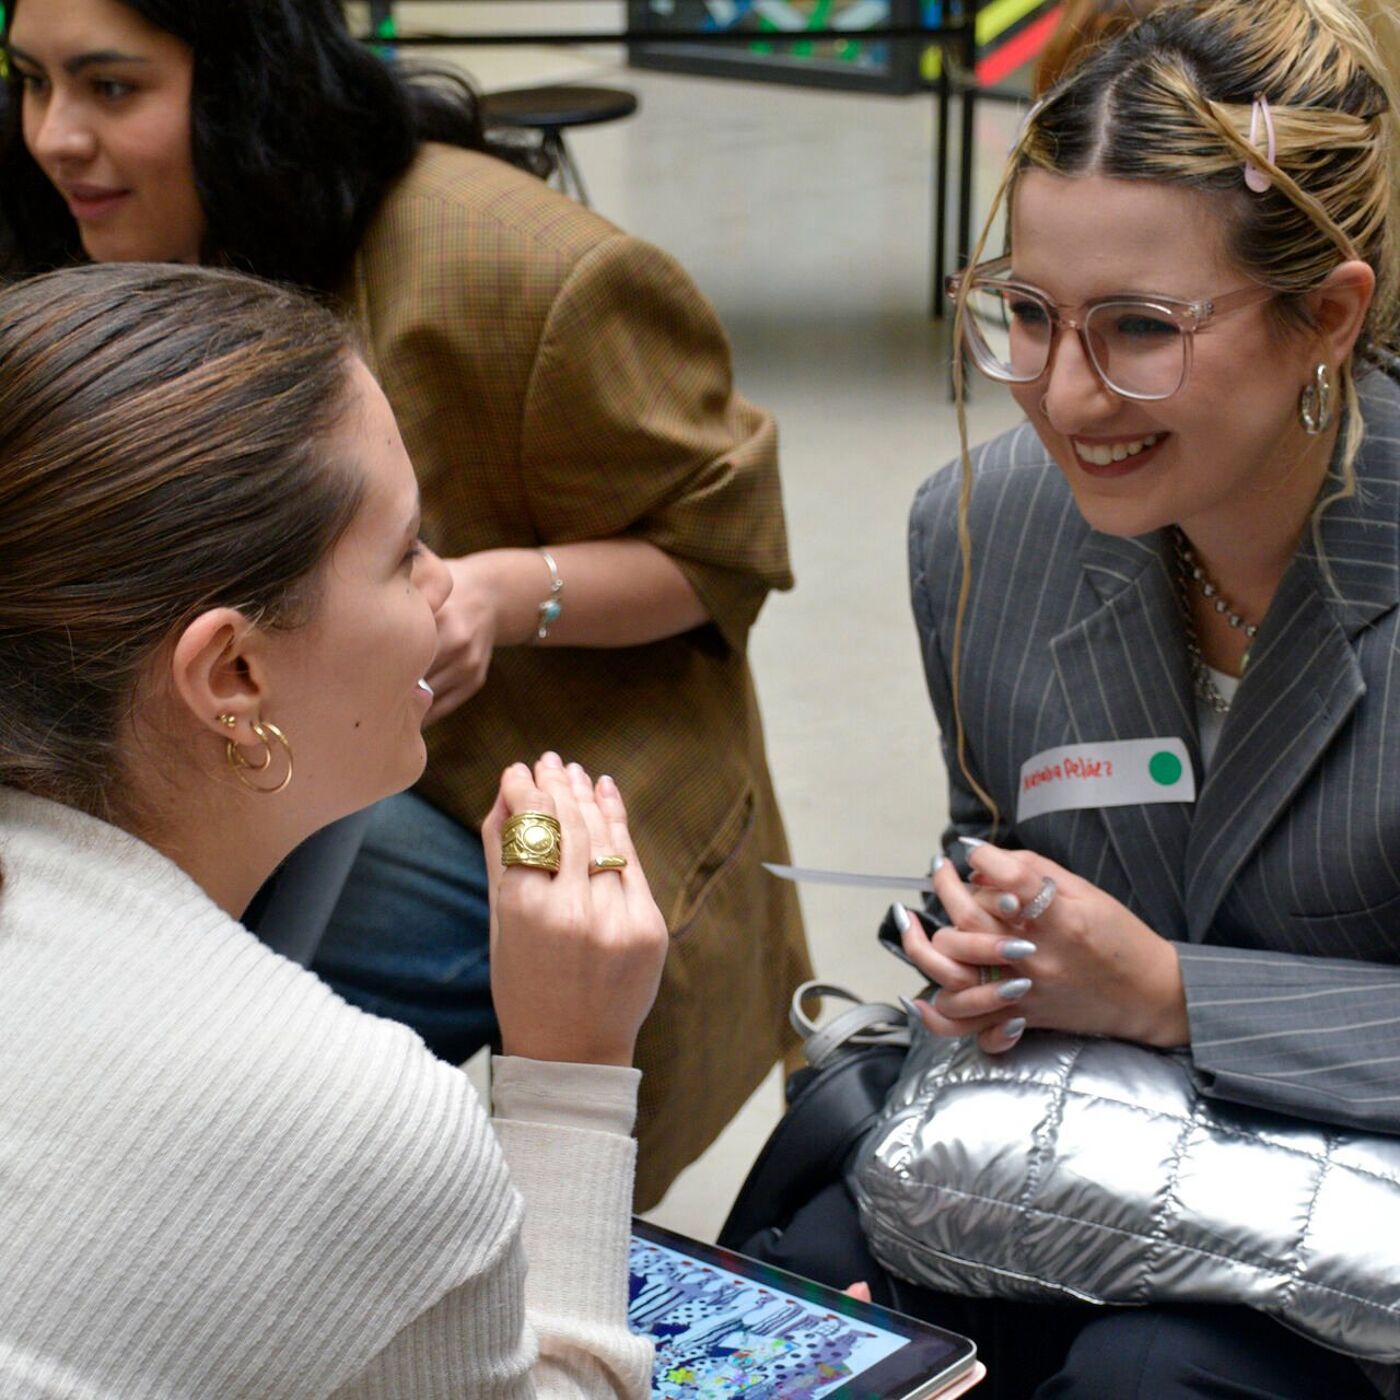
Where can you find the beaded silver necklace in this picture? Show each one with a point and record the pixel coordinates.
(1192, 575)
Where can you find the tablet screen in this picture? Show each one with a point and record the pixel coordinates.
(767, 1335)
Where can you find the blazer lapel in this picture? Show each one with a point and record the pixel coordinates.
(1304, 678)
(1124, 675)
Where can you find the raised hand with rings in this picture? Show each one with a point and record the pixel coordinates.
(575, 962)
(1031, 944)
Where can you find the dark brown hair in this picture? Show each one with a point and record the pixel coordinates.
(297, 131)
(162, 437)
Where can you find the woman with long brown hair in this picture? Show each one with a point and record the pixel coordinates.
(218, 1179)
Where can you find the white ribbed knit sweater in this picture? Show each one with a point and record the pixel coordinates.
(219, 1180)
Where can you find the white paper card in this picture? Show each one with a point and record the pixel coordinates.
(805, 874)
(1119, 773)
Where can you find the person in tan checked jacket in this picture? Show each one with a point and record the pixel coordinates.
(608, 505)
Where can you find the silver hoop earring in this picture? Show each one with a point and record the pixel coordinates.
(1315, 402)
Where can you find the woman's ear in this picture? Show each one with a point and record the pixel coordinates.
(217, 671)
(1339, 308)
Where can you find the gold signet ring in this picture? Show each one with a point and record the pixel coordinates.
(599, 864)
(532, 839)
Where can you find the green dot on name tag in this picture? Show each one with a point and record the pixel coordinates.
(1165, 768)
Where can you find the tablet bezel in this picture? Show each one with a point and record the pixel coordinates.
(904, 1375)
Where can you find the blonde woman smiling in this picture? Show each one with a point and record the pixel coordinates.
(1172, 596)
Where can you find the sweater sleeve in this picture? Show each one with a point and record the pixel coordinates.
(550, 1318)
(577, 1186)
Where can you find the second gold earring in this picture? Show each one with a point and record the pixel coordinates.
(268, 734)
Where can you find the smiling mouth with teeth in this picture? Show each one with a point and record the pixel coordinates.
(1106, 454)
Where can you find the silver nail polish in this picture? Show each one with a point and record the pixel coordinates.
(1013, 948)
(910, 1008)
(972, 841)
(1015, 989)
(938, 863)
(901, 917)
(1008, 904)
(1012, 1029)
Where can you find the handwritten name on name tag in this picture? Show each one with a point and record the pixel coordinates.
(1119, 773)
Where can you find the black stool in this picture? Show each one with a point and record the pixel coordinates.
(549, 110)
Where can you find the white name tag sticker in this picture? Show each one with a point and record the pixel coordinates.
(1121, 773)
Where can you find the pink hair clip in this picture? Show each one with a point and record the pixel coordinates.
(1256, 179)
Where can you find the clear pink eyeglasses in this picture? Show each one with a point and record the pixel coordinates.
(1139, 345)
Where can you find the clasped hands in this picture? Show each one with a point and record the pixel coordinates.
(1087, 965)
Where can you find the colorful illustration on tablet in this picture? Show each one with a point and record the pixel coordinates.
(718, 1335)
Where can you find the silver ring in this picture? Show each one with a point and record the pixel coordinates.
(1041, 902)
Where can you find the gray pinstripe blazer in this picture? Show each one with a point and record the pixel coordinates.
(1282, 882)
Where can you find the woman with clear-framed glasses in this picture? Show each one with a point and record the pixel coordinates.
(1138, 343)
(1159, 623)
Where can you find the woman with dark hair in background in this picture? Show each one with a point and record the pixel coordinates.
(218, 1179)
(608, 506)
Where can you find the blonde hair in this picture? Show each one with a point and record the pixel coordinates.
(1170, 100)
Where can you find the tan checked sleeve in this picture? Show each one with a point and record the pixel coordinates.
(556, 380)
(632, 426)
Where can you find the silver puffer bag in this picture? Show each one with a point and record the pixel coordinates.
(1094, 1170)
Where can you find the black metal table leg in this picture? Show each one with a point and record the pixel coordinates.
(940, 195)
(968, 134)
(569, 173)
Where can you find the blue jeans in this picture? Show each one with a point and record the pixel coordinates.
(410, 935)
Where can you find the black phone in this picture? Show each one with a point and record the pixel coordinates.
(888, 932)
(725, 1324)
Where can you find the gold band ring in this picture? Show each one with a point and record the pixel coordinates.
(599, 864)
(532, 839)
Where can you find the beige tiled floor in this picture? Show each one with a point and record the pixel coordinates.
(804, 215)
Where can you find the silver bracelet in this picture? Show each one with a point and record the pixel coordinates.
(552, 606)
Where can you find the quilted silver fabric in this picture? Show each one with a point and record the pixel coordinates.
(1094, 1170)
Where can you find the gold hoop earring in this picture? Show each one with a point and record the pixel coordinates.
(1315, 403)
(267, 733)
